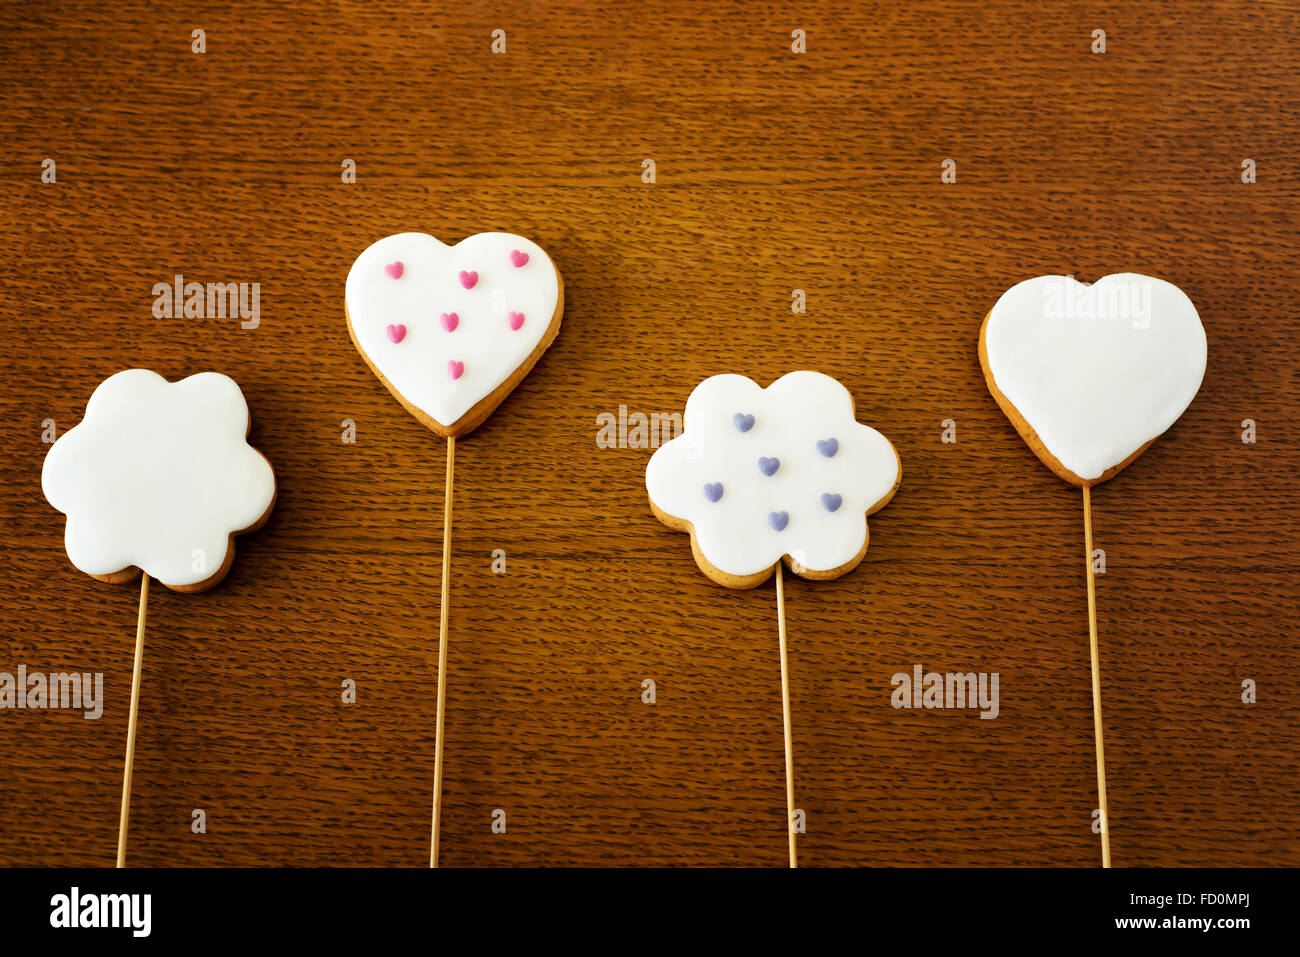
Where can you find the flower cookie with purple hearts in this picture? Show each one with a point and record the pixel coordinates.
(759, 476)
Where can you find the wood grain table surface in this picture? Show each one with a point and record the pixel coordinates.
(774, 171)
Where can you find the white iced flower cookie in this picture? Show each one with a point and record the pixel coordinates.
(1092, 374)
(159, 476)
(761, 475)
(451, 330)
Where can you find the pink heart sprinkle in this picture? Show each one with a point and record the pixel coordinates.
(396, 333)
(468, 279)
(516, 320)
(455, 369)
(450, 321)
(395, 270)
(518, 258)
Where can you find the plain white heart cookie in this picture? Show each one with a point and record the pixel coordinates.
(759, 475)
(451, 330)
(159, 476)
(1092, 374)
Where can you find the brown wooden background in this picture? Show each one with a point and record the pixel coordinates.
(775, 171)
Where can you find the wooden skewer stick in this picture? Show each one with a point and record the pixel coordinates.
(785, 711)
(442, 652)
(130, 727)
(1096, 679)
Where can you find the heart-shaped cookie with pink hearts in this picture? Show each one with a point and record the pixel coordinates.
(451, 330)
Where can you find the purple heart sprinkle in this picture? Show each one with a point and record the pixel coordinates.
(743, 422)
(778, 520)
(831, 501)
(713, 491)
(768, 466)
(828, 447)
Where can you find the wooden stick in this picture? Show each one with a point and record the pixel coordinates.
(785, 712)
(130, 727)
(1096, 679)
(442, 652)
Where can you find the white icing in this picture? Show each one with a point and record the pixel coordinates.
(154, 471)
(430, 286)
(790, 416)
(1097, 371)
